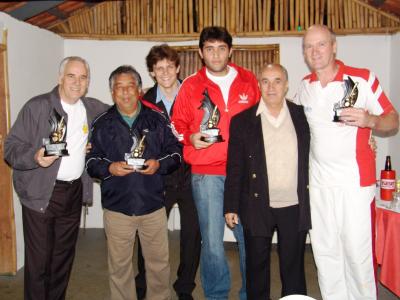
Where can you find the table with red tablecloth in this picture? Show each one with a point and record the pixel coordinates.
(387, 248)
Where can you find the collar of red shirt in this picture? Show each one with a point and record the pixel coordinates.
(338, 76)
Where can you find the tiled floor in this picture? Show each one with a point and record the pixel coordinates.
(89, 276)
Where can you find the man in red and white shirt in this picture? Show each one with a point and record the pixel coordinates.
(342, 166)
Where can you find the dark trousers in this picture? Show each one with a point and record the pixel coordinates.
(190, 245)
(50, 240)
(291, 244)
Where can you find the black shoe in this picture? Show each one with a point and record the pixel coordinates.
(140, 293)
(182, 296)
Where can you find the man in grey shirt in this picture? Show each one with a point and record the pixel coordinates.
(52, 188)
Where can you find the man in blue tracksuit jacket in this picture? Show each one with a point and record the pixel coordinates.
(133, 199)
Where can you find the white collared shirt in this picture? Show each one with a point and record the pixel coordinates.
(275, 121)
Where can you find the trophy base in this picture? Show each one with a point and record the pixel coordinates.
(336, 117)
(136, 163)
(212, 139)
(56, 150)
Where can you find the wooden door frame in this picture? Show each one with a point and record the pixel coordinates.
(8, 249)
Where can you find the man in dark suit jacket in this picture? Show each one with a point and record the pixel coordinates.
(267, 184)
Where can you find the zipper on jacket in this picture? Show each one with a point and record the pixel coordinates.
(226, 109)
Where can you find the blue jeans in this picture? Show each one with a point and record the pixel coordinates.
(208, 194)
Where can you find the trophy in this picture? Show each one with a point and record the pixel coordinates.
(210, 120)
(135, 157)
(55, 144)
(349, 99)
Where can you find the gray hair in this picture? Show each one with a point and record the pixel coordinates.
(125, 69)
(271, 65)
(68, 59)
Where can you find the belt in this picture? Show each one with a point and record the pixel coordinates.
(68, 182)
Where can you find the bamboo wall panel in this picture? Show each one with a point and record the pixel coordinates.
(251, 57)
(8, 246)
(184, 19)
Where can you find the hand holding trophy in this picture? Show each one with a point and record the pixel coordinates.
(349, 99)
(55, 144)
(135, 157)
(210, 120)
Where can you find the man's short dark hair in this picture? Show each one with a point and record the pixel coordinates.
(215, 33)
(125, 69)
(161, 52)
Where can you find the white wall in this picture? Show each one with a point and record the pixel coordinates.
(371, 52)
(33, 57)
(394, 142)
(105, 56)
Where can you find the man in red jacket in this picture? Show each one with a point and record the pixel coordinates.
(228, 89)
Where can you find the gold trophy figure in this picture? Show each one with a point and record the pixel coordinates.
(349, 99)
(210, 120)
(58, 135)
(135, 157)
(55, 144)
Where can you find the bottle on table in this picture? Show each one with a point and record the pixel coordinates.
(388, 181)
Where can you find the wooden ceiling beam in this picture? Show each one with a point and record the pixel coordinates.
(42, 20)
(195, 36)
(70, 7)
(10, 6)
(32, 8)
(389, 6)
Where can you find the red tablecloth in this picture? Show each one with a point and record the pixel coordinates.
(388, 248)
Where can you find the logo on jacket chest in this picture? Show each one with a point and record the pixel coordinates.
(243, 98)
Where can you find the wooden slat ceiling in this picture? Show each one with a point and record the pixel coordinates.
(44, 14)
(184, 19)
(390, 6)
